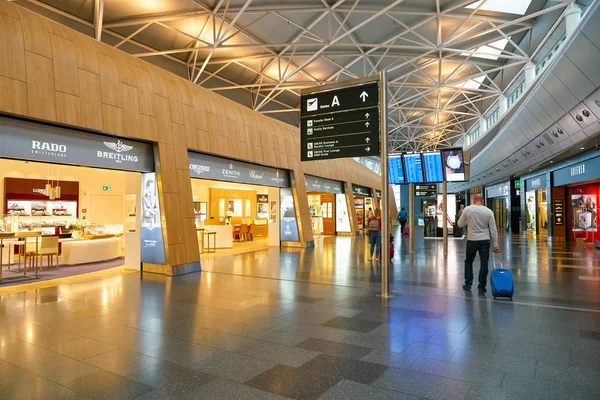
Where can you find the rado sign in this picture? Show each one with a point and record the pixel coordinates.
(25, 140)
(204, 166)
(536, 183)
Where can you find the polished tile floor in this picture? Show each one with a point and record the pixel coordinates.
(307, 324)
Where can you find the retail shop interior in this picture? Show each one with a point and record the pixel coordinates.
(67, 220)
(230, 215)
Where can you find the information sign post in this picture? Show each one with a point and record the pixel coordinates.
(385, 234)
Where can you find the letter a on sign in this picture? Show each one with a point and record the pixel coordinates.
(335, 102)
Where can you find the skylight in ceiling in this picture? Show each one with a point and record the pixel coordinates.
(472, 83)
(503, 6)
(491, 51)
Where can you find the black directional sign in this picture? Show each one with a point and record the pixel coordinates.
(340, 123)
(425, 190)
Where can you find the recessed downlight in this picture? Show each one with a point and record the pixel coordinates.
(583, 148)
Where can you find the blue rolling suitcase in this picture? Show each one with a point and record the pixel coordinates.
(501, 280)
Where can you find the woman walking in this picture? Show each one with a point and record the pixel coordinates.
(374, 228)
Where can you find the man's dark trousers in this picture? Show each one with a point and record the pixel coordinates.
(483, 247)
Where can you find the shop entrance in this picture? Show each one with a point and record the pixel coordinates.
(322, 211)
(239, 207)
(71, 201)
(362, 203)
(327, 206)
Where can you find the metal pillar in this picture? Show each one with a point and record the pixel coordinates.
(385, 223)
(502, 105)
(572, 18)
(445, 217)
(411, 217)
(98, 18)
(529, 74)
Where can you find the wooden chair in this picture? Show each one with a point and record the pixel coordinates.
(31, 250)
(48, 248)
(248, 234)
(237, 233)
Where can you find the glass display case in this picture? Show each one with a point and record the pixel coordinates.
(9, 224)
(93, 231)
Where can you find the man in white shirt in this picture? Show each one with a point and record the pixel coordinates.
(481, 230)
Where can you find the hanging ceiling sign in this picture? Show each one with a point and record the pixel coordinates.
(341, 122)
(203, 166)
(27, 140)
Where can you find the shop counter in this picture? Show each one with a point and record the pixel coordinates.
(224, 235)
(83, 251)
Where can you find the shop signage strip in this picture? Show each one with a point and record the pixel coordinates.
(498, 191)
(316, 184)
(25, 140)
(358, 190)
(203, 166)
(579, 172)
(539, 182)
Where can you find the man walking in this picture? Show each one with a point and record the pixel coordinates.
(481, 229)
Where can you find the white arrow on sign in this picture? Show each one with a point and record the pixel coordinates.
(364, 96)
(367, 115)
(368, 140)
(367, 124)
(367, 149)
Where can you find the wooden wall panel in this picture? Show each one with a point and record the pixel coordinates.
(66, 76)
(13, 96)
(40, 87)
(68, 109)
(91, 100)
(55, 73)
(12, 59)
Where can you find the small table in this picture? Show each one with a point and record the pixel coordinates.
(214, 236)
(11, 240)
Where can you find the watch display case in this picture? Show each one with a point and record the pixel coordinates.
(96, 231)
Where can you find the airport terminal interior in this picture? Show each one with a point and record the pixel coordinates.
(194, 193)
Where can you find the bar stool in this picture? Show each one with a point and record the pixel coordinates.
(209, 235)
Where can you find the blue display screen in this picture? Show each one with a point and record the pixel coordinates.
(434, 172)
(396, 171)
(413, 167)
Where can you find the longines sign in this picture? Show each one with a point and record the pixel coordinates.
(26, 140)
(203, 166)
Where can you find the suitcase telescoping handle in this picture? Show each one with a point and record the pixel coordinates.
(494, 260)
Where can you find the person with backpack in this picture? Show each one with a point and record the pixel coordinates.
(402, 219)
(374, 229)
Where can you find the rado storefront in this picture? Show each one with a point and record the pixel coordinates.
(75, 202)
(241, 205)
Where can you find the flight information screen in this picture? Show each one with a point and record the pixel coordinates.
(396, 171)
(434, 171)
(413, 168)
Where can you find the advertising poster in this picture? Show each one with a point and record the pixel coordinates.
(451, 211)
(288, 224)
(152, 239)
(341, 214)
(530, 213)
(584, 212)
(454, 164)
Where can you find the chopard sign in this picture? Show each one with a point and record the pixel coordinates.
(48, 149)
(255, 175)
(118, 149)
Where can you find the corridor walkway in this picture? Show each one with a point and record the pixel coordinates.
(307, 324)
